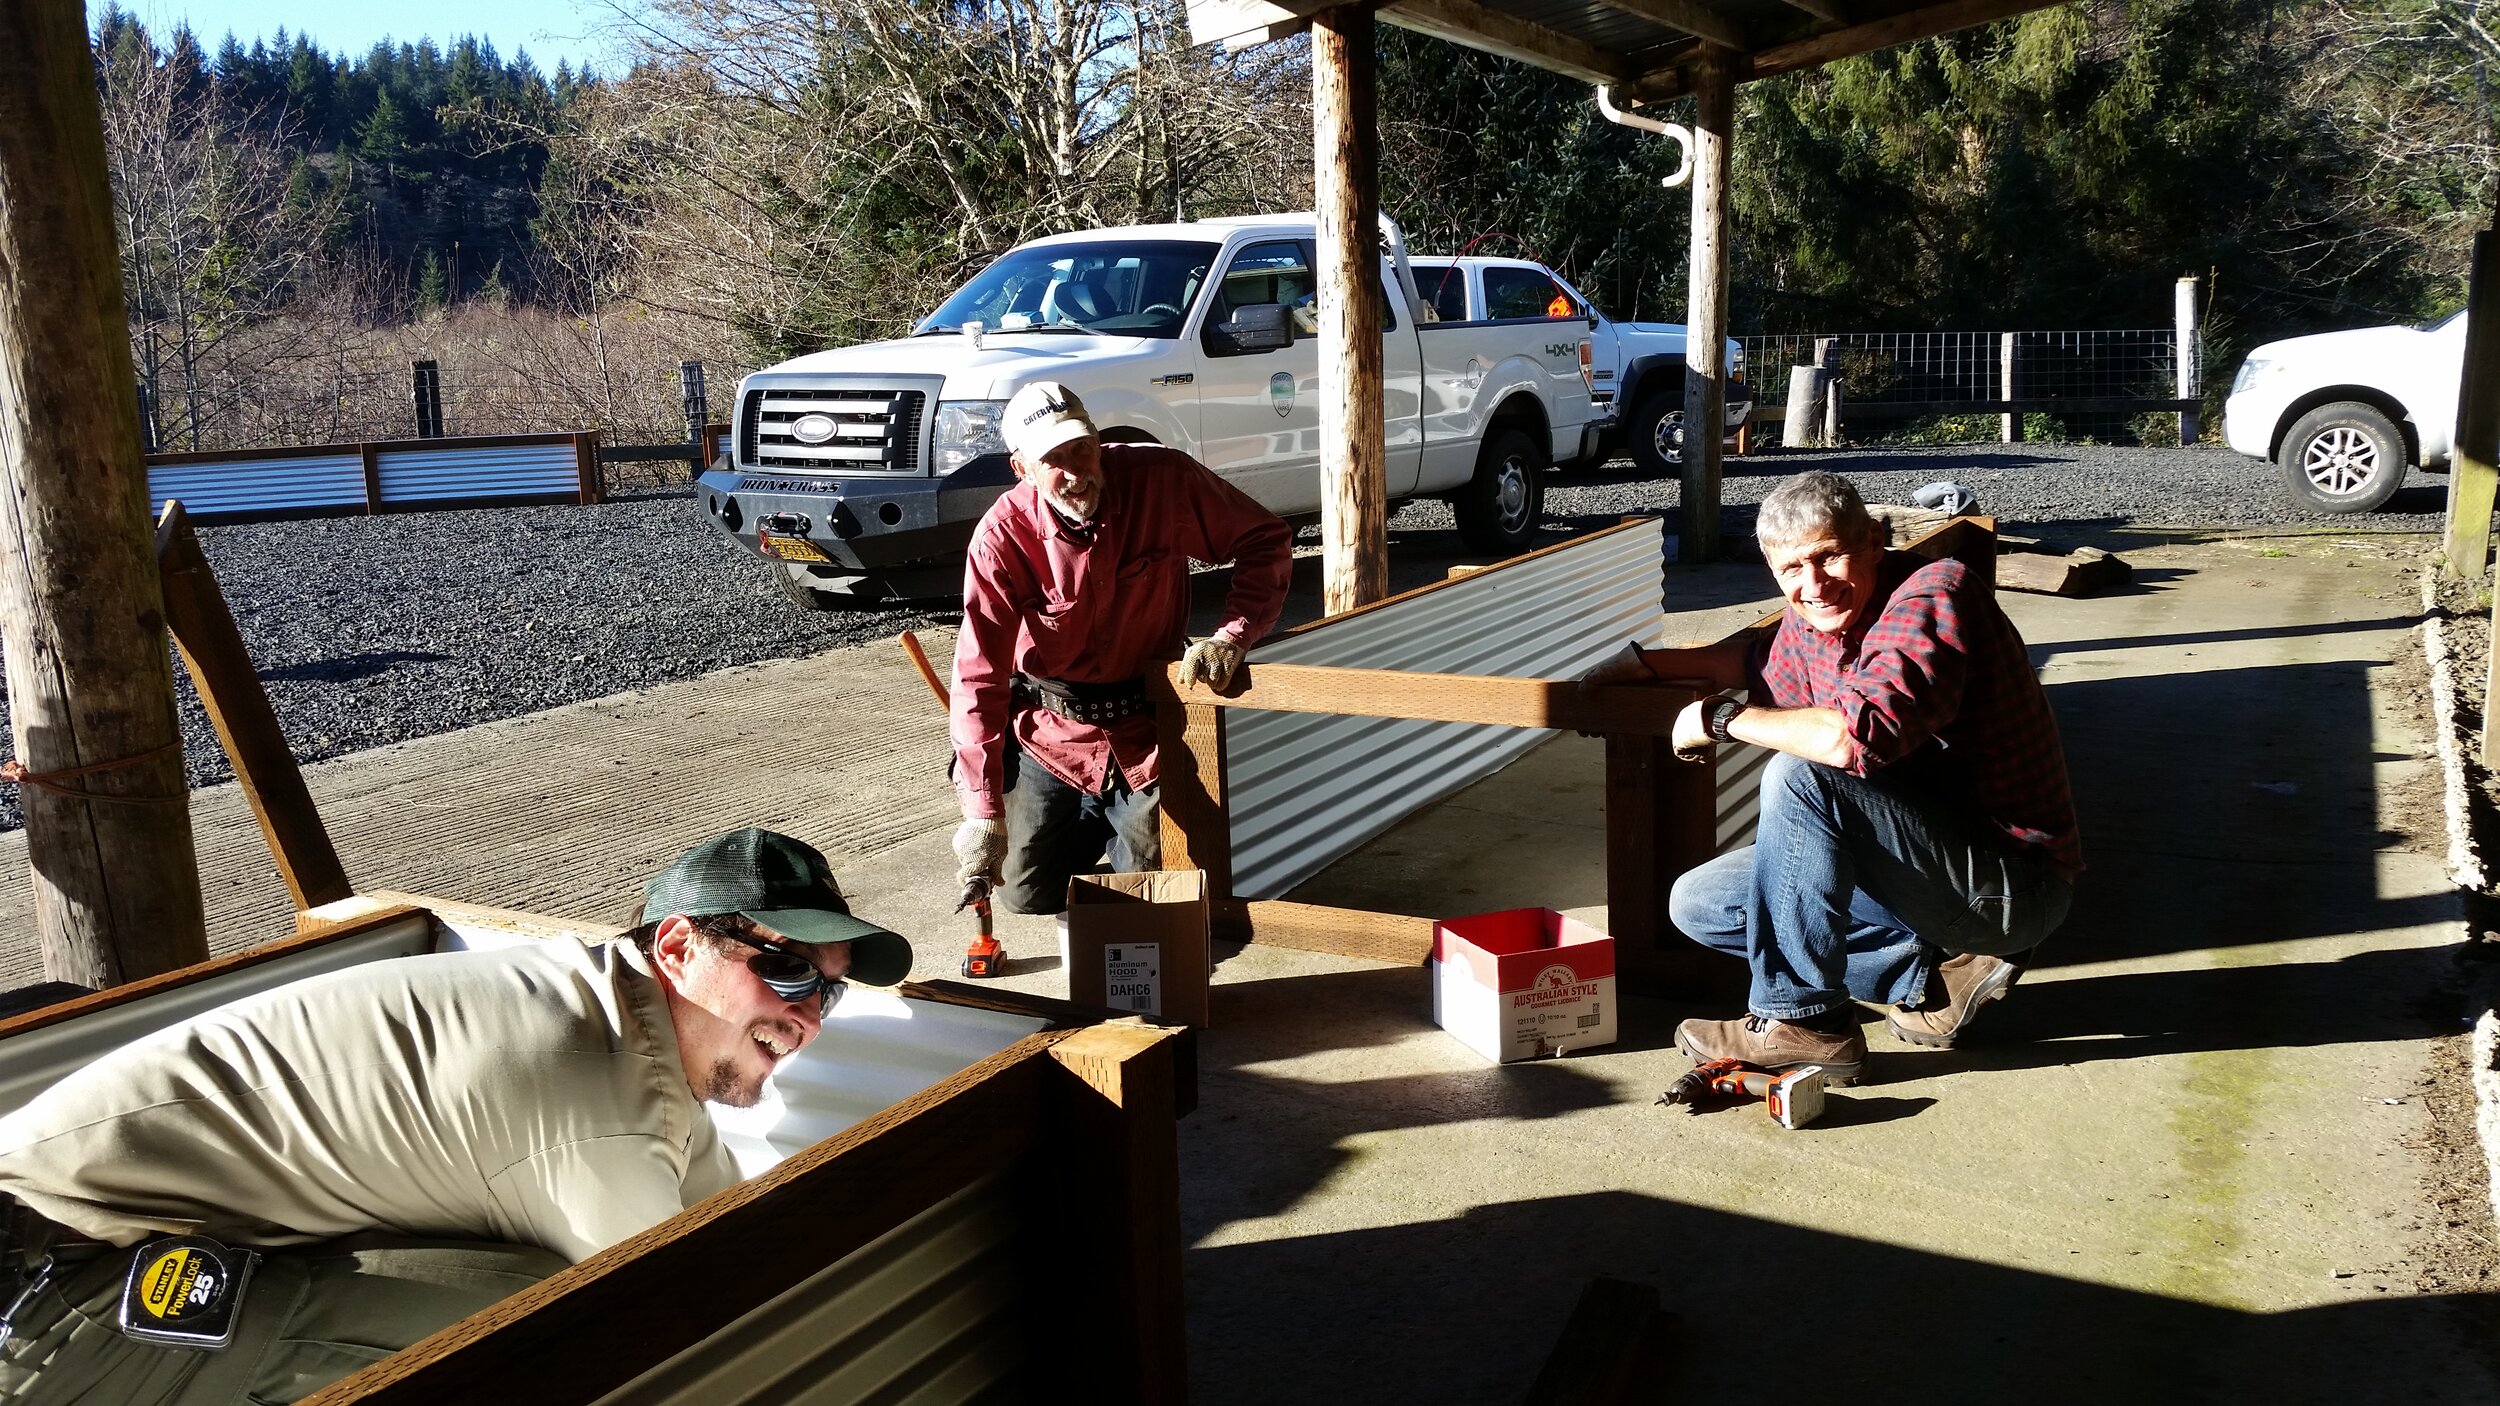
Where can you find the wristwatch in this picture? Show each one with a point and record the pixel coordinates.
(1717, 714)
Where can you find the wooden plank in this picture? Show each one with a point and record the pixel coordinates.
(341, 450)
(90, 690)
(1705, 348)
(1829, 11)
(1110, 1136)
(595, 1326)
(308, 934)
(238, 708)
(369, 457)
(1454, 698)
(1690, 16)
(2082, 572)
(1197, 834)
(1661, 820)
(1354, 485)
(1239, 24)
(2473, 479)
(586, 467)
(1604, 1355)
(1481, 27)
(1392, 938)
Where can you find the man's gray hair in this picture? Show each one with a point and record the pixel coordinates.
(1811, 505)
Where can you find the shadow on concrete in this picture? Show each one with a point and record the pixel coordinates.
(2318, 629)
(1461, 1310)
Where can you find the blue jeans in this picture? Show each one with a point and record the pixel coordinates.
(1853, 889)
(1055, 832)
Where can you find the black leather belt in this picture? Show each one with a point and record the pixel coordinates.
(1099, 704)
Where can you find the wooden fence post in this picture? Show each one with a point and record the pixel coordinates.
(1121, 1205)
(2472, 478)
(91, 691)
(2010, 424)
(2183, 319)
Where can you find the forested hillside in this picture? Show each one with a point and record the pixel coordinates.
(760, 180)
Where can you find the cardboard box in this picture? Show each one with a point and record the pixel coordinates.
(1138, 943)
(1523, 983)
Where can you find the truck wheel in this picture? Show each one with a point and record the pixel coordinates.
(1656, 435)
(1499, 507)
(2344, 458)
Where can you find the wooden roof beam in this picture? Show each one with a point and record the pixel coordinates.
(1479, 27)
(1669, 79)
(1692, 17)
(1828, 11)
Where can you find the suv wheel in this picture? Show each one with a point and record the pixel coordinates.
(1498, 509)
(2344, 458)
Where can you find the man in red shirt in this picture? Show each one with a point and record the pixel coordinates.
(1917, 832)
(1076, 584)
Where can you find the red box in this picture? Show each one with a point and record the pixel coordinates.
(1522, 983)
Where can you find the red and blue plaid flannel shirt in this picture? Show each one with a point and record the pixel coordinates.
(1935, 689)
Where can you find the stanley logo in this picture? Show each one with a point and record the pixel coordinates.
(165, 1292)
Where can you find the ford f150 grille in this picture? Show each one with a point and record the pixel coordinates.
(831, 429)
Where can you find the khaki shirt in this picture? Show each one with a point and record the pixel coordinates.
(531, 1095)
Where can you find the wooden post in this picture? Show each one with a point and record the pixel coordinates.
(1661, 819)
(1121, 1205)
(1705, 340)
(1832, 393)
(116, 884)
(238, 707)
(2183, 317)
(2010, 424)
(1802, 427)
(2472, 479)
(1189, 742)
(1354, 489)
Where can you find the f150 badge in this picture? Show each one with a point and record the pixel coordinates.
(1280, 392)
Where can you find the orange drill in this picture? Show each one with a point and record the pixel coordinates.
(1794, 1099)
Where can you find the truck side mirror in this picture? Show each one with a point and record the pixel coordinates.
(1256, 327)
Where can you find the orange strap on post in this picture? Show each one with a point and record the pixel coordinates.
(15, 773)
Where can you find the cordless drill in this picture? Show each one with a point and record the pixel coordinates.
(1793, 1099)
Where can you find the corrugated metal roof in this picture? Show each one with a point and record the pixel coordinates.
(1304, 789)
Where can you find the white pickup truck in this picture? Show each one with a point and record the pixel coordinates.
(1636, 372)
(2346, 414)
(860, 471)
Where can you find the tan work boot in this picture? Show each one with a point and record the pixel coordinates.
(1970, 981)
(1775, 1045)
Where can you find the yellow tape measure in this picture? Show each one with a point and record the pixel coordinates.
(185, 1292)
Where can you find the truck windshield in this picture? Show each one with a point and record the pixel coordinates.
(1117, 288)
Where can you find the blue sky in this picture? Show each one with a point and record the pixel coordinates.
(549, 29)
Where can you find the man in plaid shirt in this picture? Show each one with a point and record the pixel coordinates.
(1917, 834)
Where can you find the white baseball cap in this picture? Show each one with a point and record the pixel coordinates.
(1040, 418)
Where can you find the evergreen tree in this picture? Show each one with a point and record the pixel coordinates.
(433, 291)
(384, 136)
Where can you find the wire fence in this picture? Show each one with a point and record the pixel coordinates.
(1924, 384)
(1942, 386)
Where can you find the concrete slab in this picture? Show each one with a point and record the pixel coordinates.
(2167, 1168)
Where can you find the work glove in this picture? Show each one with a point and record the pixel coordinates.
(1625, 665)
(980, 848)
(1211, 661)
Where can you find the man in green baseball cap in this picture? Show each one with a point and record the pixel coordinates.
(402, 1142)
(739, 1013)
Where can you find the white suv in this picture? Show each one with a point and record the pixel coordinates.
(2346, 413)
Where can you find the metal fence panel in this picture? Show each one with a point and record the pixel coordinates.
(278, 484)
(414, 475)
(1911, 367)
(1305, 789)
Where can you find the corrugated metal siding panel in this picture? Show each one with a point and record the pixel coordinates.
(501, 471)
(925, 1315)
(260, 485)
(1739, 795)
(1305, 789)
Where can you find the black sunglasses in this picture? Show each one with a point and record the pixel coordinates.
(791, 976)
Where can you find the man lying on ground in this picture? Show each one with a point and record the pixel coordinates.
(1917, 834)
(406, 1141)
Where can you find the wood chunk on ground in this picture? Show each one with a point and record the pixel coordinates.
(2081, 572)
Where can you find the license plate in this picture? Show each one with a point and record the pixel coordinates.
(774, 544)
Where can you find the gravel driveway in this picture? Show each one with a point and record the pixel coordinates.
(375, 630)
